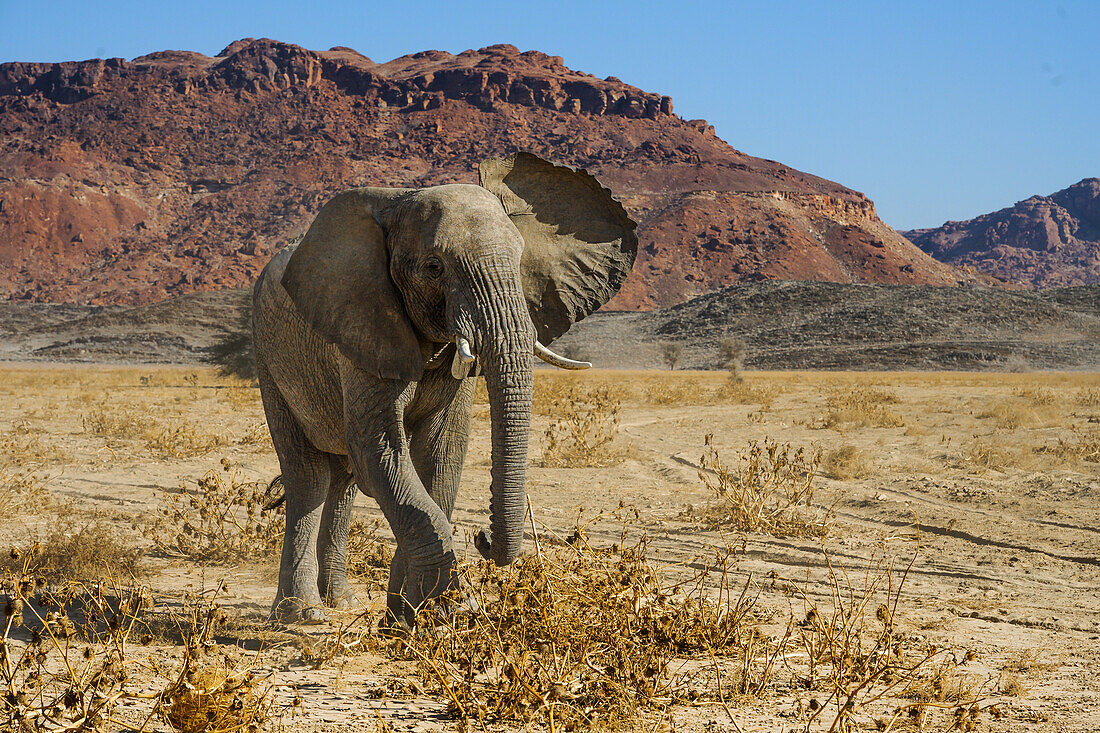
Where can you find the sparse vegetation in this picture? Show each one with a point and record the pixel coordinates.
(574, 637)
(859, 408)
(77, 548)
(223, 521)
(583, 431)
(846, 462)
(731, 355)
(73, 668)
(771, 489)
(671, 354)
(183, 440)
(23, 447)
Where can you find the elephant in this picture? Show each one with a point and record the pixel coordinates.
(369, 335)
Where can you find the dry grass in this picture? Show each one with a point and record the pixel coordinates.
(23, 447)
(771, 490)
(118, 423)
(860, 408)
(256, 437)
(979, 452)
(1013, 414)
(846, 462)
(1083, 446)
(583, 431)
(181, 439)
(78, 548)
(859, 658)
(22, 492)
(223, 521)
(369, 556)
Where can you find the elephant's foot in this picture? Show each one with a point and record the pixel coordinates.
(340, 597)
(291, 610)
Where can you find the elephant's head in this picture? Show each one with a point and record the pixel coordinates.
(391, 276)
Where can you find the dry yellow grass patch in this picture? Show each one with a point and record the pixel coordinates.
(25, 446)
(846, 462)
(860, 408)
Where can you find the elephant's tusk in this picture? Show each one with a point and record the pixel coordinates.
(464, 359)
(558, 360)
(462, 347)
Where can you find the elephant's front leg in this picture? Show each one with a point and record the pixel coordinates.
(438, 421)
(378, 447)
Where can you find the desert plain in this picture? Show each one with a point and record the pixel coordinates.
(961, 509)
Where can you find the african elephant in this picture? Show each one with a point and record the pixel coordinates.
(369, 335)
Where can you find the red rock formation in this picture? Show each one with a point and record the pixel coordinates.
(1043, 241)
(129, 181)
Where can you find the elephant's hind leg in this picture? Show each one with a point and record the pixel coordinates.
(306, 480)
(332, 541)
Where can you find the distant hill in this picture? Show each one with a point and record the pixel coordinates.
(126, 182)
(1043, 241)
(785, 325)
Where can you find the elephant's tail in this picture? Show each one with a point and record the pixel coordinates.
(275, 494)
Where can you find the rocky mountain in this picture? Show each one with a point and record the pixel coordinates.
(125, 182)
(1042, 241)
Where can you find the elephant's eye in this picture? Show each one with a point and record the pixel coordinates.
(432, 268)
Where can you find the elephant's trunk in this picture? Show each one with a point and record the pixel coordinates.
(506, 352)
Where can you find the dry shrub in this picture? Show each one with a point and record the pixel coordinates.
(224, 521)
(983, 453)
(1083, 446)
(257, 437)
(573, 637)
(369, 556)
(860, 408)
(1038, 396)
(240, 398)
(1088, 397)
(741, 391)
(684, 391)
(587, 420)
(78, 550)
(1011, 414)
(129, 424)
(770, 490)
(22, 446)
(66, 662)
(22, 492)
(846, 462)
(857, 656)
(183, 440)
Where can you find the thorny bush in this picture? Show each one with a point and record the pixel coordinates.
(864, 666)
(584, 426)
(66, 658)
(574, 636)
(771, 489)
(223, 521)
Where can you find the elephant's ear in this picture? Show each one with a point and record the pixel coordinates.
(339, 280)
(579, 242)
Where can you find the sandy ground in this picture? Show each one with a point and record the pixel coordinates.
(1008, 565)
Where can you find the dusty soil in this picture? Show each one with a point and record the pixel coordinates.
(1008, 564)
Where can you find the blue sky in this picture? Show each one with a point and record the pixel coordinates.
(936, 110)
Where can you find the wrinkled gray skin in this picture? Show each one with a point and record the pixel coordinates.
(354, 332)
